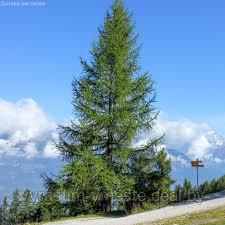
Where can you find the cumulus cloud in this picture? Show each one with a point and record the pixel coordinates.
(200, 147)
(30, 150)
(50, 151)
(180, 132)
(25, 130)
(193, 139)
(180, 160)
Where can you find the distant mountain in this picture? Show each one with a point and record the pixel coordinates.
(24, 173)
(218, 143)
(181, 165)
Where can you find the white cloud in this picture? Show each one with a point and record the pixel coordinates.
(180, 160)
(50, 151)
(30, 150)
(218, 160)
(200, 147)
(180, 132)
(193, 139)
(196, 140)
(25, 130)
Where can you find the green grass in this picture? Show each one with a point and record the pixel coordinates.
(209, 217)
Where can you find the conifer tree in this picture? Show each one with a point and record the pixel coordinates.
(214, 185)
(27, 206)
(14, 210)
(221, 183)
(113, 101)
(4, 211)
(178, 193)
(42, 209)
(186, 189)
(163, 172)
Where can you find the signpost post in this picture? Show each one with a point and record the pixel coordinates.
(197, 163)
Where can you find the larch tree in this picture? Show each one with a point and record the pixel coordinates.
(113, 101)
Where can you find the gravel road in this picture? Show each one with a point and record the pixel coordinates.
(209, 202)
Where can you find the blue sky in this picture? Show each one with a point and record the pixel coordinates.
(183, 49)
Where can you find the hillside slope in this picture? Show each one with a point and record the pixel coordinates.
(212, 201)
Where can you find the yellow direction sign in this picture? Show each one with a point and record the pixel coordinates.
(197, 163)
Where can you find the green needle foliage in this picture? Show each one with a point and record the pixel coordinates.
(27, 209)
(4, 212)
(14, 211)
(113, 101)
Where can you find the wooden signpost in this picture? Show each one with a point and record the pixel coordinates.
(197, 163)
